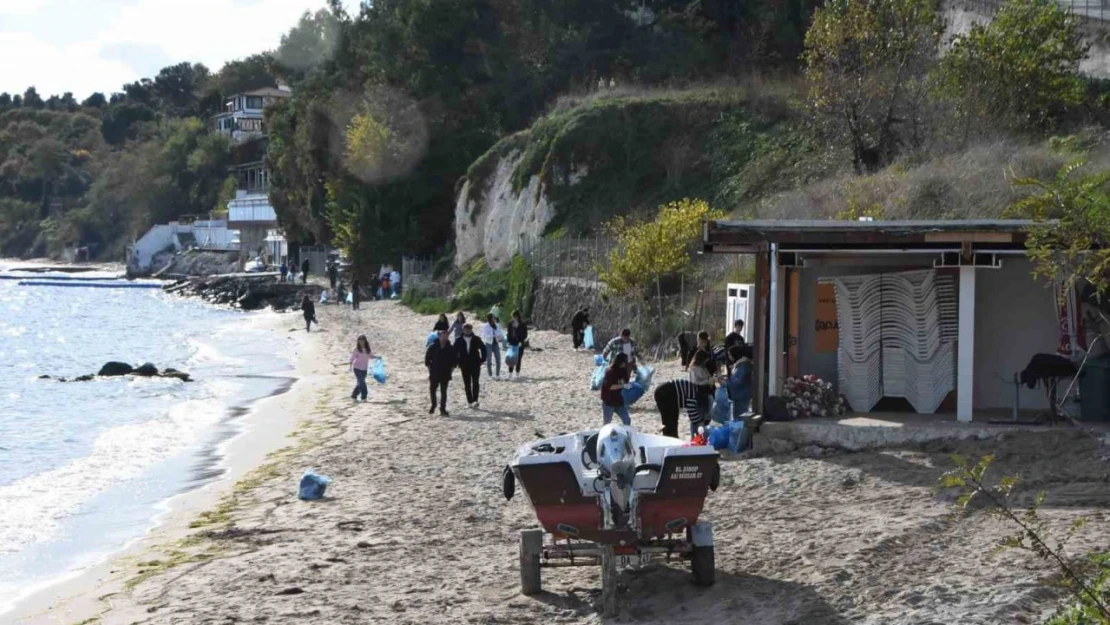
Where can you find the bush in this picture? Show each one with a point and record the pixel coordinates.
(521, 286)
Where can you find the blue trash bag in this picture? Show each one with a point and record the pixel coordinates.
(644, 374)
(596, 380)
(718, 437)
(588, 338)
(378, 371)
(313, 485)
(350, 297)
(721, 412)
(631, 395)
(432, 338)
(512, 355)
(599, 360)
(739, 436)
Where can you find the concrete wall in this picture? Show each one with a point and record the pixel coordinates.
(1014, 320)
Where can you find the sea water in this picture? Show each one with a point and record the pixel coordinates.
(85, 467)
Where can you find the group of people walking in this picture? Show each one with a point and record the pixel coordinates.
(457, 346)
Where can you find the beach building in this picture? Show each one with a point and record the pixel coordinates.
(250, 211)
(926, 317)
(185, 233)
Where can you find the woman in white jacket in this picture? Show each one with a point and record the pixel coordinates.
(492, 335)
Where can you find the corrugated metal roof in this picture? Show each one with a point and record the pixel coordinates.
(828, 225)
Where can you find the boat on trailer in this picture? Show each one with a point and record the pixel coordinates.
(614, 498)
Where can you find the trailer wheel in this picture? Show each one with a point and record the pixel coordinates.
(704, 567)
(531, 548)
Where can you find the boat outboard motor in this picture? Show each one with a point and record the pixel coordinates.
(616, 460)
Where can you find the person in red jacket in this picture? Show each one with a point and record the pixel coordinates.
(615, 380)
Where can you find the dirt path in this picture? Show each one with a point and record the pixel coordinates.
(415, 529)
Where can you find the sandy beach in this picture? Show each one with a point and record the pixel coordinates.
(415, 529)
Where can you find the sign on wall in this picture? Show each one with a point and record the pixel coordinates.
(828, 329)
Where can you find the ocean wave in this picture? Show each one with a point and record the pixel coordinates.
(35, 506)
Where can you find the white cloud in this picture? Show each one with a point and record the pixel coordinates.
(205, 31)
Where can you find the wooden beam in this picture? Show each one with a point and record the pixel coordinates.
(969, 237)
(759, 335)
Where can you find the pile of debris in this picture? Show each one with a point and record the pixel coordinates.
(246, 291)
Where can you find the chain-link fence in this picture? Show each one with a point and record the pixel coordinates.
(567, 257)
(1095, 11)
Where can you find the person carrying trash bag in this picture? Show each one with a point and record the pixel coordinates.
(517, 334)
(492, 336)
(622, 344)
(616, 379)
(471, 353)
(578, 324)
(360, 365)
(739, 383)
(440, 359)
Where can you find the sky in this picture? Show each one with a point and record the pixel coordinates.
(84, 46)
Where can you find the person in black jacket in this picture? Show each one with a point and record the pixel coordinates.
(308, 309)
(517, 334)
(578, 324)
(441, 324)
(736, 337)
(471, 353)
(440, 360)
(304, 271)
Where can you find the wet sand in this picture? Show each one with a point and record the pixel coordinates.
(415, 529)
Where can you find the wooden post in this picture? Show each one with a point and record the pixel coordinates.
(759, 333)
(794, 279)
(608, 582)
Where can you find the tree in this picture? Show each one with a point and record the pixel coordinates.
(649, 251)
(1071, 241)
(31, 99)
(1022, 67)
(308, 44)
(96, 100)
(178, 88)
(5, 101)
(866, 62)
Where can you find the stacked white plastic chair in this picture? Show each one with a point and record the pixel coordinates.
(897, 338)
(859, 357)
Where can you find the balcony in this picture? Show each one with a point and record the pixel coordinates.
(251, 210)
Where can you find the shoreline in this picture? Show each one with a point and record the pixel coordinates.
(262, 426)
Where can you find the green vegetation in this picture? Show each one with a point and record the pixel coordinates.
(1072, 242)
(1086, 579)
(521, 287)
(631, 151)
(997, 75)
(866, 64)
(436, 85)
(100, 172)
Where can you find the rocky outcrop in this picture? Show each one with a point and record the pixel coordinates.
(112, 369)
(246, 291)
(198, 263)
(119, 369)
(493, 219)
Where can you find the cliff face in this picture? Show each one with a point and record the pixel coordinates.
(626, 153)
(492, 218)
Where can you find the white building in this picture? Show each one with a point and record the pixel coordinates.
(181, 235)
(250, 211)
